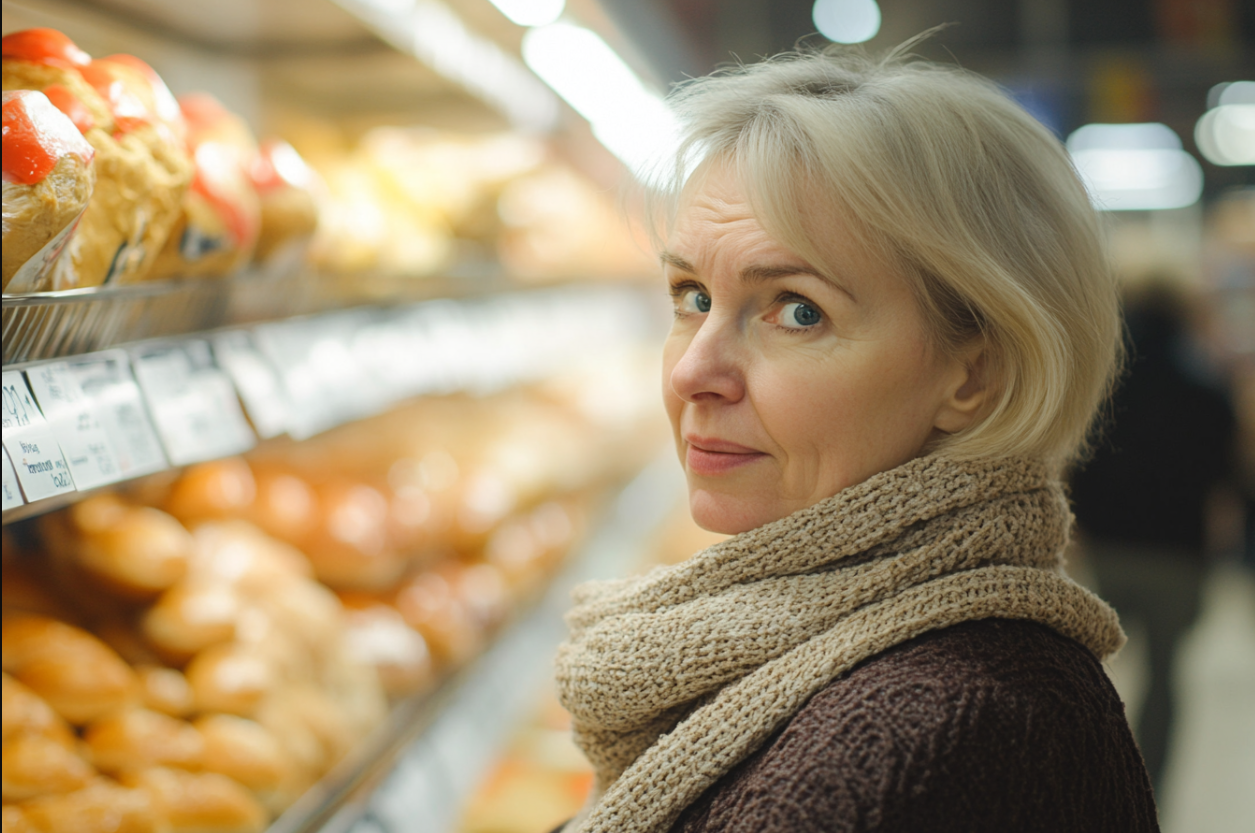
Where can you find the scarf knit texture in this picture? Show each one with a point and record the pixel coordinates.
(673, 678)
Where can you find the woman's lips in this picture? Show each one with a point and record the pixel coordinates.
(706, 456)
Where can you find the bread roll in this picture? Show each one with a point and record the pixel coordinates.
(190, 617)
(220, 216)
(247, 753)
(351, 549)
(285, 505)
(199, 802)
(376, 634)
(25, 713)
(429, 605)
(211, 491)
(228, 679)
(48, 179)
(14, 820)
(141, 552)
(101, 807)
(139, 738)
(36, 765)
(79, 676)
(165, 690)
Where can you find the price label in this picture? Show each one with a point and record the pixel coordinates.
(41, 470)
(106, 381)
(11, 492)
(256, 381)
(192, 402)
(72, 417)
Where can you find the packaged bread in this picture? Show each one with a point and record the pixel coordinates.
(220, 215)
(48, 180)
(142, 166)
(289, 208)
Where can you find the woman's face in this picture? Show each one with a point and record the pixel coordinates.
(783, 385)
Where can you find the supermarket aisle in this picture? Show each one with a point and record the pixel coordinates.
(1211, 764)
(1212, 767)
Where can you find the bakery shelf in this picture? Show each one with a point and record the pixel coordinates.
(50, 325)
(417, 770)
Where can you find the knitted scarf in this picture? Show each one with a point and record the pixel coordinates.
(673, 678)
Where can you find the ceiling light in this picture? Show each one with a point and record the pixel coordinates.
(1135, 167)
(1226, 133)
(531, 12)
(846, 21)
(629, 119)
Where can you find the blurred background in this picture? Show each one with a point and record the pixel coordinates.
(343, 428)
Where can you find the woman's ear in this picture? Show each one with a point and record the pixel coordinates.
(967, 393)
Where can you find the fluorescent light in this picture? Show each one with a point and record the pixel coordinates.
(1135, 167)
(531, 12)
(846, 21)
(630, 120)
(1226, 133)
(435, 35)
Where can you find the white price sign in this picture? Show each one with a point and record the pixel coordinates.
(37, 460)
(12, 492)
(72, 417)
(256, 380)
(193, 403)
(106, 381)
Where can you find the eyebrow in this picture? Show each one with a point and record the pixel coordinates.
(759, 274)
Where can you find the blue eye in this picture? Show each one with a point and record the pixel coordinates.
(797, 314)
(694, 300)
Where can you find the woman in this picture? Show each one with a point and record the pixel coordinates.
(894, 323)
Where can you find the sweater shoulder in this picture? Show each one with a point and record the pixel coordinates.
(989, 725)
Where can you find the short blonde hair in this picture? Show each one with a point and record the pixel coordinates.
(949, 180)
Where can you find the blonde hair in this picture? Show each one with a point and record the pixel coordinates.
(950, 181)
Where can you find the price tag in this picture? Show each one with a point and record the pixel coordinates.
(72, 417)
(37, 460)
(106, 380)
(12, 492)
(193, 403)
(289, 345)
(256, 381)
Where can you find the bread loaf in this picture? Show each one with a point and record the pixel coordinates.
(48, 180)
(228, 679)
(140, 163)
(247, 753)
(220, 215)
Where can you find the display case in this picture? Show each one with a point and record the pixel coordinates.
(124, 391)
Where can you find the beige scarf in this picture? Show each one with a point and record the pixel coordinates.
(673, 678)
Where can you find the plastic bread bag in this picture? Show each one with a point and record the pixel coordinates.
(288, 190)
(142, 168)
(48, 179)
(220, 216)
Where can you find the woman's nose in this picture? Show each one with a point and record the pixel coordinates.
(710, 367)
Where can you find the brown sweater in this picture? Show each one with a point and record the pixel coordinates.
(993, 725)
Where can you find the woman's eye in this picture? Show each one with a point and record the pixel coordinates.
(798, 314)
(694, 301)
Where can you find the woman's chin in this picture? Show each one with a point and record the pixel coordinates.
(727, 514)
